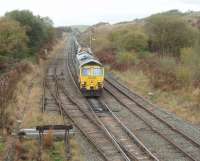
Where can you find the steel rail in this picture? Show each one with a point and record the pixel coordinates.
(151, 126)
(129, 132)
(113, 139)
(149, 111)
(55, 95)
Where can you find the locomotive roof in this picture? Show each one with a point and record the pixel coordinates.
(91, 62)
(84, 55)
(86, 58)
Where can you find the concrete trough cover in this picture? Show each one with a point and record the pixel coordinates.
(57, 131)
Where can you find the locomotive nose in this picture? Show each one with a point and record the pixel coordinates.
(91, 85)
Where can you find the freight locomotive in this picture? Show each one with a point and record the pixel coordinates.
(89, 73)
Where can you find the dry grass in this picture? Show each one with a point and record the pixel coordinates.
(75, 151)
(183, 102)
(26, 106)
(48, 139)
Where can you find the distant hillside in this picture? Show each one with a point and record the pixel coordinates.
(193, 17)
(81, 28)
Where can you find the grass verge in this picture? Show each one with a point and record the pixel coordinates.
(183, 102)
(26, 106)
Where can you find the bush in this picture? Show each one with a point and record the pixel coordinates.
(186, 56)
(161, 71)
(135, 40)
(130, 38)
(128, 58)
(125, 60)
(144, 54)
(168, 34)
(101, 43)
(183, 75)
(106, 56)
(167, 64)
(39, 30)
(190, 58)
(48, 139)
(13, 39)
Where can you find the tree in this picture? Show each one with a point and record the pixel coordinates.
(130, 38)
(135, 40)
(13, 37)
(168, 34)
(39, 30)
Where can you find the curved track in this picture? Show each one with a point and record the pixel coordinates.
(127, 143)
(109, 132)
(141, 108)
(81, 116)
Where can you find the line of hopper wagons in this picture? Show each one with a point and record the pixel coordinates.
(89, 72)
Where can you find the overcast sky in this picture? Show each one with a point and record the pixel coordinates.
(73, 12)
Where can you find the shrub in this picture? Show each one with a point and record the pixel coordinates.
(101, 44)
(168, 34)
(144, 54)
(39, 30)
(135, 40)
(128, 58)
(167, 64)
(13, 39)
(130, 38)
(186, 55)
(183, 75)
(190, 58)
(125, 60)
(106, 56)
(161, 71)
(48, 139)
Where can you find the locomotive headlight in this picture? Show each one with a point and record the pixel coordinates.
(99, 84)
(83, 84)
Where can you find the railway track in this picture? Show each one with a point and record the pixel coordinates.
(128, 144)
(50, 100)
(58, 99)
(141, 108)
(109, 132)
(49, 91)
(134, 148)
(87, 124)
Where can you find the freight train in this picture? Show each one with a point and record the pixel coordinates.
(89, 72)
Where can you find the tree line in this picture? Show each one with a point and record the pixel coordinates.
(22, 34)
(165, 45)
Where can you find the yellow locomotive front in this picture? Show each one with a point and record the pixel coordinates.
(91, 79)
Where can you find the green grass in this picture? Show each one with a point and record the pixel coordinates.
(2, 146)
(183, 102)
(57, 153)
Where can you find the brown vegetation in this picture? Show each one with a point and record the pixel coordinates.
(164, 47)
(8, 85)
(48, 139)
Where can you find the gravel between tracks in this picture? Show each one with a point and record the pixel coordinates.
(152, 140)
(187, 127)
(87, 150)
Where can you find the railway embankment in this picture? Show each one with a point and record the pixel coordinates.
(120, 125)
(25, 111)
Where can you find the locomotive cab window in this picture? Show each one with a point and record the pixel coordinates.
(97, 72)
(85, 71)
